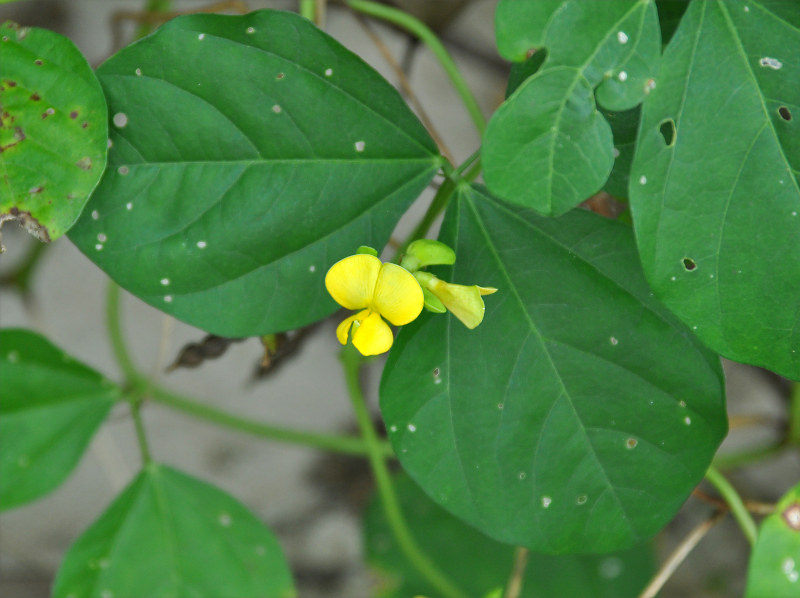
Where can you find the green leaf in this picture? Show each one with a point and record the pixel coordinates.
(51, 407)
(580, 414)
(548, 147)
(169, 535)
(476, 562)
(249, 154)
(53, 130)
(774, 569)
(715, 194)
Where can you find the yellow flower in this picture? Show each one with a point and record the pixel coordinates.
(464, 302)
(362, 282)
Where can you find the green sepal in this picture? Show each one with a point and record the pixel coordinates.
(432, 302)
(367, 250)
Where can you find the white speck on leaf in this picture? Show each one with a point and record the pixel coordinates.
(360, 145)
(615, 153)
(687, 420)
(393, 428)
(521, 475)
(102, 238)
(611, 567)
(622, 37)
(201, 36)
(138, 72)
(631, 443)
(225, 520)
(123, 170)
(120, 119)
(95, 215)
(99, 247)
(312, 268)
(649, 85)
(165, 281)
(251, 30)
(546, 500)
(328, 72)
(613, 341)
(581, 500)
(276, 109)
(412, 428)
(201, 244)
(622, 76)
(642, 180)
(129, 206)
(772, 63)
(167, 298)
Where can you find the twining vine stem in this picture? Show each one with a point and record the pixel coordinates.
(737, 506)
(429, 38)
(139, 388)
(352, 362)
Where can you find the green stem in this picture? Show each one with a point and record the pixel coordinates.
(308, 9)
(351, 362)
(330, 442)
(419, 29)
(735, 503)
(115, 335)
(144, 447)
(436, 207)
(794, 415)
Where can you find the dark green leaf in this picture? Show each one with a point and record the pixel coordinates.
(580, 414)
(474, 561)
(172, 536)
(249, 154)
(548, 147)
(775, 563)
(51, 407)
(53, 130)
(714, 194)
(520, 71)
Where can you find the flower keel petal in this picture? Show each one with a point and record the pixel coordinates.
(373, 336)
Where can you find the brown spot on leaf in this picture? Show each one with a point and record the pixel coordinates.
(28, 222)
(73, 115)
(36, 97)
(38, 189)
(84, 163)
(38, 62)
(11, 83)
(791, 515)
(18, 137)
(84, 125)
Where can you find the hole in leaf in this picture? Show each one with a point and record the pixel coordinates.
(667, 130)
(784, 113)
(689, 264)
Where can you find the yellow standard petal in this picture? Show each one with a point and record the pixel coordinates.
(351, 281)
(343, 329)
(398, 296)
(373, 336)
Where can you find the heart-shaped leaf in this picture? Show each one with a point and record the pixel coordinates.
(580, 414)
(249, 153)
(53, 130)
(170, 535)
(51, 407)
(775, 563)
(714, 192)
(476, 562)
(548, 147)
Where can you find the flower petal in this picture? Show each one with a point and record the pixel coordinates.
(373, 336)
(343, 329)
(351, 281)
(398, 296)
(464, 302)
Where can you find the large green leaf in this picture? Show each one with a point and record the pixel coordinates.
(580, 414)
(51, 406)
(714, 189)
(548, 147)
(775, 563)
(249, 153)
(481, 565)
(169, 535)
(53, 130)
